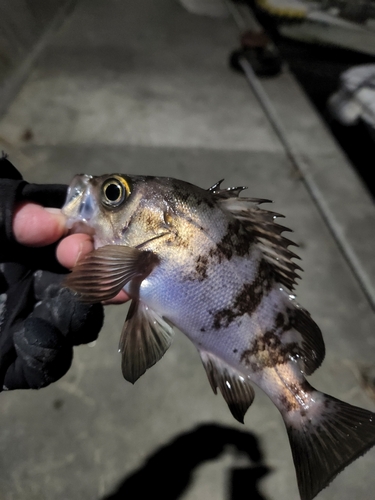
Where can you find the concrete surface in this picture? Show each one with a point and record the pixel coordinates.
(144, 87)
(24, 27)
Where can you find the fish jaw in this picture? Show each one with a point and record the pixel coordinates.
(80, 206)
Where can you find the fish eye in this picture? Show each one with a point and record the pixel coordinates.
(115, 190)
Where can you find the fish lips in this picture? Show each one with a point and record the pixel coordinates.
(80, 205)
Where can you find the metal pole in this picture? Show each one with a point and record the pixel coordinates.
(304, 172)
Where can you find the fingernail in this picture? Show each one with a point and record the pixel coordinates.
(59, 218)
(84, 248)
(55, 211)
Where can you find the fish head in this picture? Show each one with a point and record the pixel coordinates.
(118, 209)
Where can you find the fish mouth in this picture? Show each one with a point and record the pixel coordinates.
(80, 227)
(80, 205)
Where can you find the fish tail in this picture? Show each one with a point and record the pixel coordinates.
(325, 438)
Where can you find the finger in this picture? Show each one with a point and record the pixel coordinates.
(73, 248)
(34, 225)
(120, 298)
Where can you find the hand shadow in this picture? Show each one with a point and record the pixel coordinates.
(168, 472)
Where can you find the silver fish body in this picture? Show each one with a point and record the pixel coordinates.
(215, 265)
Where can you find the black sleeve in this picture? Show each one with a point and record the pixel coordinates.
(40, 320)
(13, 189)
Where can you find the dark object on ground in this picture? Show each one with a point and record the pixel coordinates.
(259, 52)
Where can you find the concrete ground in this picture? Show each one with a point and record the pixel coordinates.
(144, 87)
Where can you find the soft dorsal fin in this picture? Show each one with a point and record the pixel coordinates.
(261, 224)
(311, 348)
(235, 388)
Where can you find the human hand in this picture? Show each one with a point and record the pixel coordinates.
(40, 319)
(36, 226)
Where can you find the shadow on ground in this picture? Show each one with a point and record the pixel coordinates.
(168, 472)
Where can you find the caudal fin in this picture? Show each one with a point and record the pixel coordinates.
(326, 439)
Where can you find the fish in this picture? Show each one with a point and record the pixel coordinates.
(217, 266)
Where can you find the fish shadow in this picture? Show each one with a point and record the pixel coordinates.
(168, 472)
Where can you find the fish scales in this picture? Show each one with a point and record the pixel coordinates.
(215, 265)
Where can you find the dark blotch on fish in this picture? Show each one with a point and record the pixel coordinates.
(277, 351)
(287, 403)
(247, 300)
(268, 351)
(201, 267)
(236, 241)
(284, 322)
(290, 399)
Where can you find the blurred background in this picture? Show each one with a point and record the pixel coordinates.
(278, 95)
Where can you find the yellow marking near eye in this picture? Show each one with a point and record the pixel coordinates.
(124, 183)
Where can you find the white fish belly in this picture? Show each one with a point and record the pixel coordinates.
(206, 311)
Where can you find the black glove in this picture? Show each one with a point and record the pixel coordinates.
(39, 320)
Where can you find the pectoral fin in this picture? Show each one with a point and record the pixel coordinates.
(236, 389)
(145, 338)
(105, 271)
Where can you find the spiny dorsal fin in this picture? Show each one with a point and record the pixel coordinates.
(233, 192)
(261, 224)
(235, 388)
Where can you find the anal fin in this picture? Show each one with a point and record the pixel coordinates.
(145, 338)
(235, 388)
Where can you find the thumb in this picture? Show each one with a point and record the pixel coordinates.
(36, 226)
